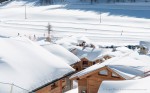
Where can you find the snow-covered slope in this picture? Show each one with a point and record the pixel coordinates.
(28, 65)
(121, 23)
(16, 3)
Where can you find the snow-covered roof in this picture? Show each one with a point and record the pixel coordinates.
(71, 41)
(91, 54)
(145, 44)
(61, 52)
(126, 72)
(28, 65)
(119, 51)
(126, 86)
(123, 49)
(134, 62)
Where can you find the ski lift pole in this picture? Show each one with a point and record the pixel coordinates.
(100, 17)
(25, 11)
(11, 89)
(121, 32)
(49, 29)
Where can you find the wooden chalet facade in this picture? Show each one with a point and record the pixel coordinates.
(58, 86)
(84, 63)
(89, 56)
(90, 82)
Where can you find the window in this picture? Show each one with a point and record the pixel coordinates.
(53, 85)
(94, 62)
(85, 62)
(77, 69)
(63, 80)
(103, 72)
(114, 75)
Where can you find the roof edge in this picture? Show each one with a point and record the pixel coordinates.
(52, 82)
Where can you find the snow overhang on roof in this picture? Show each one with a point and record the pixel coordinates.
(61, 52)
(28, 65)
(126, 72)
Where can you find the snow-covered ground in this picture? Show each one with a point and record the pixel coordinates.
(121, 23)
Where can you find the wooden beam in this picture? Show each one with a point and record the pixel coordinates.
(115, 73)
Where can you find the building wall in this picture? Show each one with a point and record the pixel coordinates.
(143, 50)
(80, 66)
(68, 85)
(50, 89)
(82, 85)
(91, 83)
(83, 66)
(77, 66)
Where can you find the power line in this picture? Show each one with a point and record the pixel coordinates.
(13, 85)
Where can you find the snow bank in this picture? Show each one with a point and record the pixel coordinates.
(73, 91)
(127, 86)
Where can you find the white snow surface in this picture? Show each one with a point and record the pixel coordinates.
(126, 86)
(119, 51)
(28, 65)
(70, 42)
(126, 72)
(121, 23)
(73, 90)
(61, 52)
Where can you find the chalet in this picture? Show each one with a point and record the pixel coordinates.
(117, 68)
(89, 56)
(26, 67)
(144, 47)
